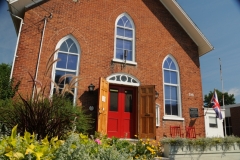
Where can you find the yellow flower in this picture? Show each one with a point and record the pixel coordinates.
(150, 149)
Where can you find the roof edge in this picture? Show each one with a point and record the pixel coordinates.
(204, 46)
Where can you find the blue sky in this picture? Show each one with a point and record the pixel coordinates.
(218, 20)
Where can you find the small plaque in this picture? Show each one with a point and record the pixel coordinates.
(193, 112)
(103, 99)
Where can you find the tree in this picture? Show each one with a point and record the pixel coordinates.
(228, 98)
(7, 86)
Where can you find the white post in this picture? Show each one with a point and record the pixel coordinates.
(225, 133)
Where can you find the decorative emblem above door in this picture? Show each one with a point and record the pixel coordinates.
(123, 78)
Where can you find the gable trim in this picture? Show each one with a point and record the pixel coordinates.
(204, 46)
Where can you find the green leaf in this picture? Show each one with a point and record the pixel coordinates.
(38, 155)
(13, 155)
(45, 141)
(14, 132)
(27, 137)
(30, 149)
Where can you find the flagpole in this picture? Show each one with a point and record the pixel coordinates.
(223, 99)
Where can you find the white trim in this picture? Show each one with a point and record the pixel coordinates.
(175, 118)
(204, 46)
(178, 86)
(12, 1)
(113, 79)
(127, 62)
(77, 67)
(133, 38)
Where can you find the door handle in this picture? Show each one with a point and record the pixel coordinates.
(147, 114)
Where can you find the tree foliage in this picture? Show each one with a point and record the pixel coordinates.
(7, 86)
(228, 98)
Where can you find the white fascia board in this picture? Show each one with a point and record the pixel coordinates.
(187, 24)
(17, 7)
(11, 1)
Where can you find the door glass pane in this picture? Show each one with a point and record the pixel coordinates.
(113, 100)
(128, 100)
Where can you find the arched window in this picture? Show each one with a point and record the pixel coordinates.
(124, 49)
(68, 64)
(172, 99)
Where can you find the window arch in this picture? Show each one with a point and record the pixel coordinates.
(171, 81)
(124, 44)
(68, 64)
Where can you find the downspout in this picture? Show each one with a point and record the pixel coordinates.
(39, 55)
(15, 53)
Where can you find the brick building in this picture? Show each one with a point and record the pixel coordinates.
(141, 55)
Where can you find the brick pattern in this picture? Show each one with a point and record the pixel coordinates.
(92, 23)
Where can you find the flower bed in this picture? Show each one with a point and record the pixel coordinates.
(202, 148)
(75, 146)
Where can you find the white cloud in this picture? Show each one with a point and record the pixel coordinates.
(235, 91)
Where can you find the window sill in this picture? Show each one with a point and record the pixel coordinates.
(122, 61)
(174, 118)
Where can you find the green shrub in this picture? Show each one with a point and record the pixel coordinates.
(202, 142)
(76, 146)
(7, 86)
(46, 117)
(27, 147)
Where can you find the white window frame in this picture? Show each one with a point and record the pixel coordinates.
(77, 67)
(213, 119)
(133, 62)
(179, 116)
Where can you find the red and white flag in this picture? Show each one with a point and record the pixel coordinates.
(216, 106)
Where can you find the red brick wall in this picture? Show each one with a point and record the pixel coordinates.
(235, 112)
(92, 23)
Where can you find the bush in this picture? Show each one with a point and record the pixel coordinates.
(202, 142)
(46, 117)
(76, 146)
(43, 114)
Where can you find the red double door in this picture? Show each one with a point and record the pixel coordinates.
(122, 112)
